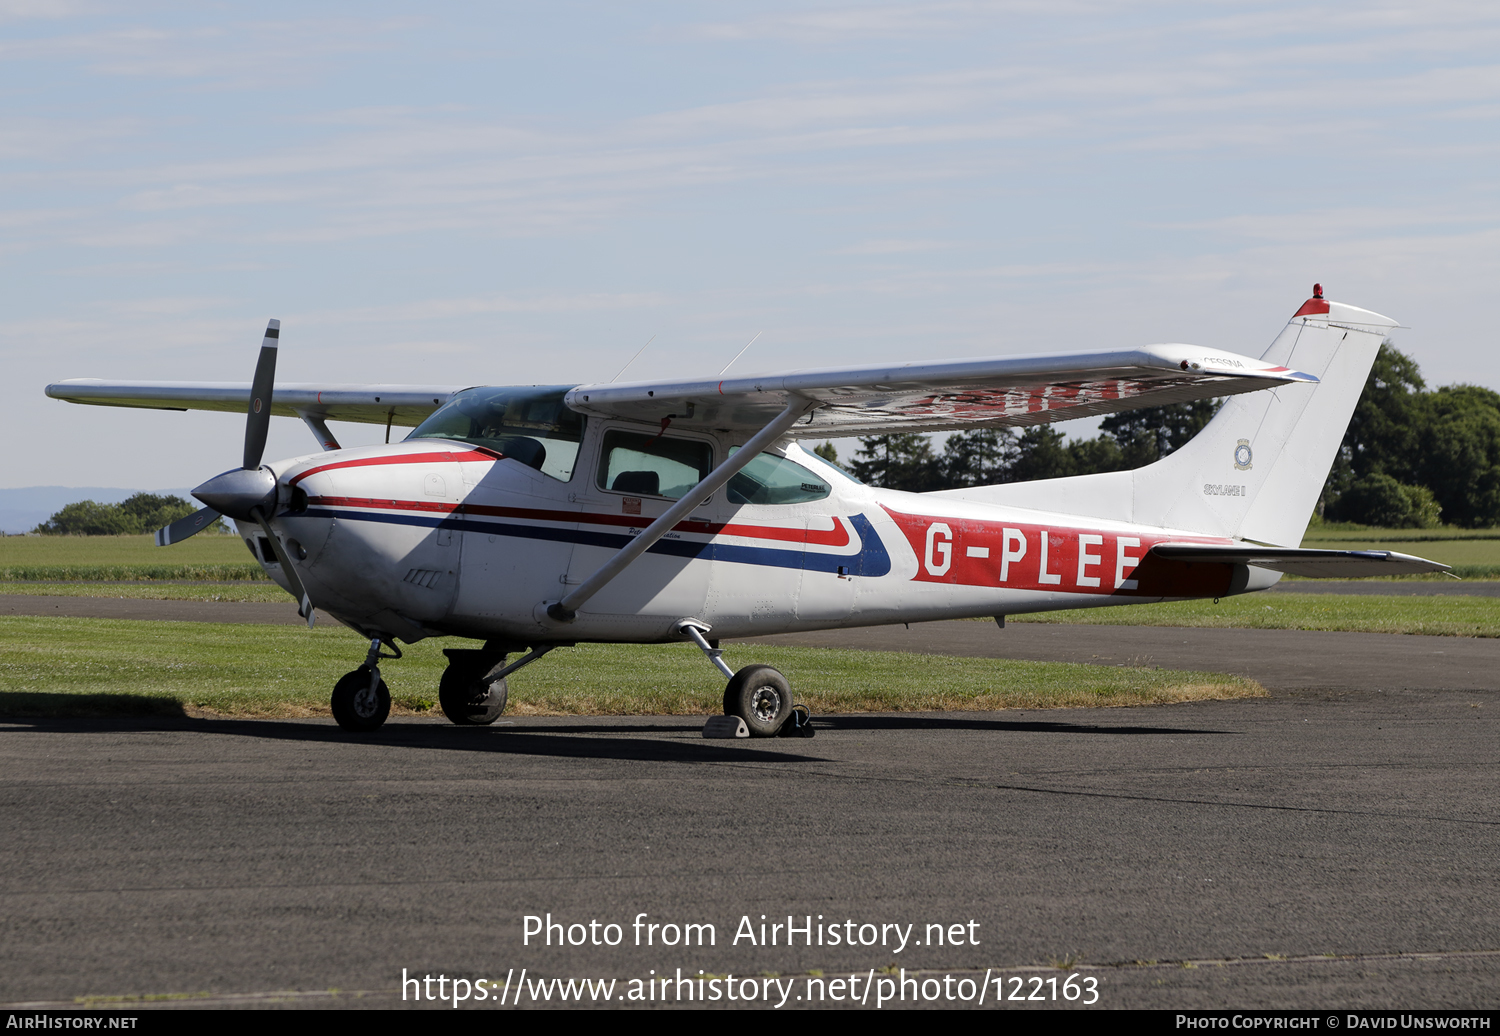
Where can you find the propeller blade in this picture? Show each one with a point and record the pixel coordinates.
(258, 419)
(305, 605)
(182, 528)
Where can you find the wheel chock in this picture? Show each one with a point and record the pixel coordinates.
(725, 727)
(798, 724)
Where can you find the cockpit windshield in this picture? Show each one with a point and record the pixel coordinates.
(530, 425)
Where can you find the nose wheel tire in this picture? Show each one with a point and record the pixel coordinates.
(467, 699)
(356, 706)
(761, 696)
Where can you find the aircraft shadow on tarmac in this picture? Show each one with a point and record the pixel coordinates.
(628, 740)
(537, 741)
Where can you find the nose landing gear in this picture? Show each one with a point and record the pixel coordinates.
(361, 700)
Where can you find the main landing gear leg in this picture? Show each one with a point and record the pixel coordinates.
(361, 700)
(468, 692)
(473, 691)
(757, 694)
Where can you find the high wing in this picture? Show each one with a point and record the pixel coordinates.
(945, 394)
(406, 405)
(864, 400)
(1310, 563)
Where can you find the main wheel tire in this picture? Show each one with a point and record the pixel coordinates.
(761, 697)
(355, 707)
(467, 699)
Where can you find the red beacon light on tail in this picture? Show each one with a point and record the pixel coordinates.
(1315, 306)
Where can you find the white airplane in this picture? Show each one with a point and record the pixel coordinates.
(532, 518)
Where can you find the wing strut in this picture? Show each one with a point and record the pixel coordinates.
(317, 424)
(566, 610)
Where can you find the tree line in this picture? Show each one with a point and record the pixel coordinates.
(987, 456)
(143, 512)
(1411, 457)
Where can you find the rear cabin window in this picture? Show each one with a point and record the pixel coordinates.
(653, 465)
(530, 425)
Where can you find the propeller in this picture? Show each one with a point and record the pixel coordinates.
(247, 493)
(182, 528)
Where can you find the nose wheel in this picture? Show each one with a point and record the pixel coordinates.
(361, 701)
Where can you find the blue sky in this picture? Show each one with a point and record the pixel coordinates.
(521, 193)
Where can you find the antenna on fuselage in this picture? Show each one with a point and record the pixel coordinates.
(628, 362)
(741, 352)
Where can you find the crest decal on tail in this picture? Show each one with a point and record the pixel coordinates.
(1242, 455)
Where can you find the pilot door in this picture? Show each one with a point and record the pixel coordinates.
(635, 477)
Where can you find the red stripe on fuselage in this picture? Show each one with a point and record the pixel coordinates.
(1022, 556)
(439, 457)
(836, 537)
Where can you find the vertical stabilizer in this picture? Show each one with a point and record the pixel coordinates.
(1255, 472)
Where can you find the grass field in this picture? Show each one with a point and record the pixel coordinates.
(1347, 531)
(1473, 554)
(1449, 616)
(206, 557)
(72, 667)
(1452, 616)
(52, 666)
(261, 591)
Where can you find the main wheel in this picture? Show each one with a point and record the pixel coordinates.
(761, 697)
(467, 699)
(358, 708)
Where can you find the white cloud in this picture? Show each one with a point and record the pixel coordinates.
(446, 308)
(860, 180)
(28, 10)
(847, 24)
(893, 246)
(407, 169)
(241, 55)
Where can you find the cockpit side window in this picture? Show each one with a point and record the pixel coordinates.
(652, 465)
(530, 425)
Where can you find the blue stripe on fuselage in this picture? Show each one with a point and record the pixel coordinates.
(872, 559)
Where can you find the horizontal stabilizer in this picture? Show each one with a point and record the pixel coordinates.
(1309, 563)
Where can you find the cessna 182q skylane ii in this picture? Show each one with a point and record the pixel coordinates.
(532, 518)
